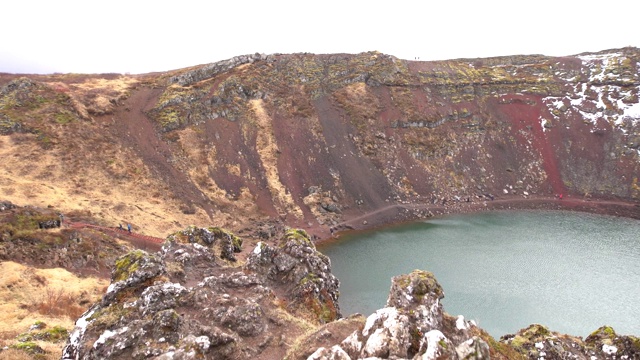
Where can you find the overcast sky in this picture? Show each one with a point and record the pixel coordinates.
(136, 36)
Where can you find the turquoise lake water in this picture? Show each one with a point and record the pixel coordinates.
(572, 272)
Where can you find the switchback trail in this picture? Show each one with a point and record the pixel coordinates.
(139, 240)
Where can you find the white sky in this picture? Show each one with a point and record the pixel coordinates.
(137, 36)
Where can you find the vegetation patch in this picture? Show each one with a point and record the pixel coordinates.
(55, 334)
(298, 235)
(127, 265)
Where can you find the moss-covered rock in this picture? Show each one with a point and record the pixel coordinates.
(312, 291)
(54, 334)
(413, 288)
(227, 242)
(29, 347)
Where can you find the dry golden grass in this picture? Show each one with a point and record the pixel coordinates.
(53, 352)
(96, 95)
(54, 296)
(13, 354)
(267, 149)
(31, 176)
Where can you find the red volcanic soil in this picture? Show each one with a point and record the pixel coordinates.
(136, 131)
(524, 112)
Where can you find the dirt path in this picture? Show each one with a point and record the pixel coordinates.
(140, 241)
(398, 213)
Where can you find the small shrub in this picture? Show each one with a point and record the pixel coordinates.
(57, 302)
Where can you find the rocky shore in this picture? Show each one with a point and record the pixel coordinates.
(404, 213)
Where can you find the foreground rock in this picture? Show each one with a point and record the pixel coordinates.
(537, 342)
(186, 302)
(413, 325)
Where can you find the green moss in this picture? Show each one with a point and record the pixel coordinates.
(8, 126)
(235, 240)
(55, 334)
(309, 277)
(605, 330)
(127, 265)
(29, 347)
(500, 349)
(64, 118)
(535, 331)
(109, 317)
(299, 235)
(169, 119)
(421, 283)
(518, 341)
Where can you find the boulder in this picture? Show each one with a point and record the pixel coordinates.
(413, 325)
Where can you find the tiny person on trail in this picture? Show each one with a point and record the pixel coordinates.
(560, 196)
(129, 228)
(121, 229)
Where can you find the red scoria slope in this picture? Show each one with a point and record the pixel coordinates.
(326, 142)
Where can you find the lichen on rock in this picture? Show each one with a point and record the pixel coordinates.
(305, 273)
(227, 242)
(184, 302)
(413, 325)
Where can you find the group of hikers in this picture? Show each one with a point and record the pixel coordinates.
(128, 228)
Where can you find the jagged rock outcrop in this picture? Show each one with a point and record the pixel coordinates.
(304, 273)
(537, 341)
(186, 302)
(210, 70)
(226, 242)
(413, 325)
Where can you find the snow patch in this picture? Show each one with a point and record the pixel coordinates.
(433, 337)
(203, 342)
(258, 249)
(199, 247)
(111, 287)
(385, 313)
(460, 323)
(107, 334)
(609, 349)
(543, 122)
(78, 331)
(103, 337)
